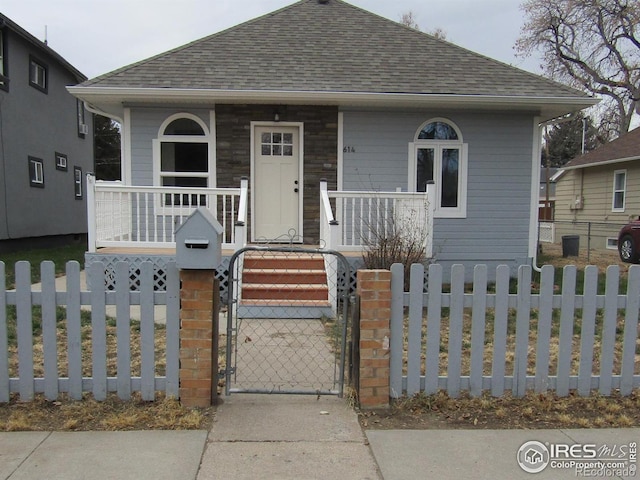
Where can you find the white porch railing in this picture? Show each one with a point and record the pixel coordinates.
(134, 216)
(363, 218)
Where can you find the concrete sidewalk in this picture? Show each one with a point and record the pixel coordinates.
(484, 454)
(286, 437)
(289, 437)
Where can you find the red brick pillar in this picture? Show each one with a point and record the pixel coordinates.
(374, 291)
(199, 299)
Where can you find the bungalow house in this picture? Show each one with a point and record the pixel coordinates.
(600, 188)
(46, 143)
(322, 90)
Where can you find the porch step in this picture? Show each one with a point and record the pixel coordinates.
(278, 275)
(285, 291)
(283, 284)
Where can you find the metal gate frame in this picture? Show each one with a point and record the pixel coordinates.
(342, 298)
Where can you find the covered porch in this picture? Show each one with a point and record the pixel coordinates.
(124, 218)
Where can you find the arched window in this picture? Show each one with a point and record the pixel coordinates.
(439, 157)
(183, 144)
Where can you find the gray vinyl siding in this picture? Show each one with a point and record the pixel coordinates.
(145, 125)
(496, 228)
(37, 124)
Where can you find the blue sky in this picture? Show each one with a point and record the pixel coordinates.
(98, 36)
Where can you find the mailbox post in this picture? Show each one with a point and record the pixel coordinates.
(198, 254)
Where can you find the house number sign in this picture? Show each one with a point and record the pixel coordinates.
(349, 149)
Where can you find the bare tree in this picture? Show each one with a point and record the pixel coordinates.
(593, 45)
(409, 19)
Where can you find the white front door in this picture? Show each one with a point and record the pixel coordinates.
(277, 190)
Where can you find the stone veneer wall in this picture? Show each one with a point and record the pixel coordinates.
(233, 155)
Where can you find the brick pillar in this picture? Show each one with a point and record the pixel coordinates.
(199, 301)
(374, 291)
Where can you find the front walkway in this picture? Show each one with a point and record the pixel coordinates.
(286, 437)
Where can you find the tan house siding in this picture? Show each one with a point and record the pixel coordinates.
(594, 187)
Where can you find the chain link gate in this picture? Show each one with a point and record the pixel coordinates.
(287, 321)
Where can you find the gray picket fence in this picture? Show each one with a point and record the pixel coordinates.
(484, 338)
(51, 383)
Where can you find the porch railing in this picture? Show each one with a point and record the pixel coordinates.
(363, 218)
(136, 216)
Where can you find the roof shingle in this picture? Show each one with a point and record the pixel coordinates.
(331, 47)
(625, 147)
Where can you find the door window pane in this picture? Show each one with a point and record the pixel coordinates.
(450, 174)
(426, 158)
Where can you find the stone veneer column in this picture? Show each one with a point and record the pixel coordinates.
(198, 343)
(374, 292)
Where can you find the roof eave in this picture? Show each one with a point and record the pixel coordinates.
(549, 106)
(601, 163)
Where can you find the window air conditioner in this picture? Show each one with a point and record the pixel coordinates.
(84, 128)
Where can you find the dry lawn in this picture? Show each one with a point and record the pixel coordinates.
(88, 414)
(532, 411)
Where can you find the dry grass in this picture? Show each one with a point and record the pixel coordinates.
(552, 255)
(533, 410)
(530, 412)
(112, 414)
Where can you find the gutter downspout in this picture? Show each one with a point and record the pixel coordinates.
(537, 152)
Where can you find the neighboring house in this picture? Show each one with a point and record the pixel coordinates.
(547, 194)
(46, 142)
(601, 187)
(323, 89)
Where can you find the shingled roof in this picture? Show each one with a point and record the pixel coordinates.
(623, 149)
(330, 46)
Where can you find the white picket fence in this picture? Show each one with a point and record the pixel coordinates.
(24, 297)
(518, 342)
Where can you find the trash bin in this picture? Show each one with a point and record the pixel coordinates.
(570, 245)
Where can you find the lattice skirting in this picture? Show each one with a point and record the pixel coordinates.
(222, 273)
(159, 262)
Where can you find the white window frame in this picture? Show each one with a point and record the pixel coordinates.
(38, 75)
(208, 138)
(36, 172)
(77, 182)
(623, 190)
(61, 161)
(438, 145)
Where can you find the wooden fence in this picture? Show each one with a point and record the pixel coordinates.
(26, 303)
(485, 338)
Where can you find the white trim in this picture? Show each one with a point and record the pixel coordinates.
(536, 151)
(213, 159)
(438, 120)
(125, 94)
(189, 138)
(624, 192)
(340, 165)
(126, 148)
(463, 168)
(207, 138)
(300, 126)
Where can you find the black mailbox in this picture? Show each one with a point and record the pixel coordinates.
(199, 241)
